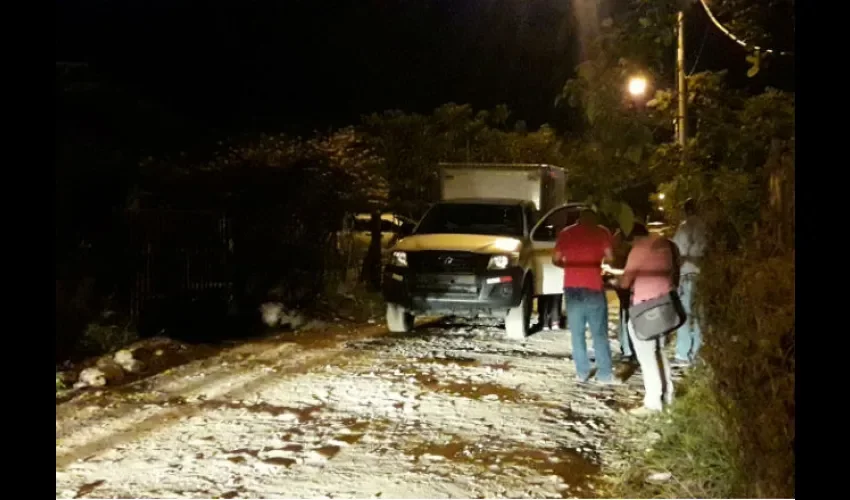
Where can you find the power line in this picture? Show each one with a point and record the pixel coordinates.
(738, 40)
(699, 53)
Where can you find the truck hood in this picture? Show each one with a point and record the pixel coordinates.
(475, 243)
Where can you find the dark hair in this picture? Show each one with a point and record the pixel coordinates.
(690, 206)
(639, 230)
(587, 214)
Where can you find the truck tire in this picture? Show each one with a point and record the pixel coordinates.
(398, 319)
(519, 318)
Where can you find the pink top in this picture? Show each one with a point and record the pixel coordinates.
(649, 268)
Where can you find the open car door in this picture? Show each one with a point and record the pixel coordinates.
(549, 278)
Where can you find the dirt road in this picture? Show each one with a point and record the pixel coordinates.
(452, 410)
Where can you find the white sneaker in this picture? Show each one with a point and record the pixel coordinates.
(644, 411)
(612, 381)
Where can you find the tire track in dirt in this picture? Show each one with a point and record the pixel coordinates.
(307, 358)
(159, 384)
(376, 420)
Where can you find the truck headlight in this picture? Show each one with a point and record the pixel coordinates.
(499, 262)
(399, 259)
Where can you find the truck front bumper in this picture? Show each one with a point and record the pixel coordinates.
(490, 294)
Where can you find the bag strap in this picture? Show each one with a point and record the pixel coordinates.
(677, 263)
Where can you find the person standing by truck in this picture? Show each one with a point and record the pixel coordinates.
(549, 308)
(580, 250)
(370, 273)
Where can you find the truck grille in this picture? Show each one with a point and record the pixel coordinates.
(445, 284)
(446, 262)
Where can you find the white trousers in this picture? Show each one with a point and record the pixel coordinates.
(655, 367)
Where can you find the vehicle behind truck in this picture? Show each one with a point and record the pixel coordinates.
(471, 255)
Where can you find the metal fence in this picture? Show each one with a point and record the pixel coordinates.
(176, 255)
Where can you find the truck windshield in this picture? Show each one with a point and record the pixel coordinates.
(473, 218)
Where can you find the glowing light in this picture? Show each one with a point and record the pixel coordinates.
(661, 196)
(506, 244)
(637, 86)
(499, 262)
(400, 259)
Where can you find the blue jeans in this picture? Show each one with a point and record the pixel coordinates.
(587, 307)
(689, 335)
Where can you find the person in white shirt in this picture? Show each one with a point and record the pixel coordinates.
(690, 239)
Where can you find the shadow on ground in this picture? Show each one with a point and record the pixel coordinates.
(200, 320)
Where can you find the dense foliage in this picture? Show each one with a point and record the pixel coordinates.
(411, 146)
(739, 164)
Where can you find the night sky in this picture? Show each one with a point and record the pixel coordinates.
(240, 65)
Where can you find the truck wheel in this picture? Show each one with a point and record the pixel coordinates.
(518, 319)
(398, 319)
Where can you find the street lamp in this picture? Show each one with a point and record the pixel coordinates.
(661, 196)
(637, 86)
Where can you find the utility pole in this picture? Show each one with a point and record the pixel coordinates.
(682, 87)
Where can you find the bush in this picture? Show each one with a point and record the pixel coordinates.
(695, 447)
(747, 294)
(749, 308)
(99, 338)
(739, 419)
(352, 302)
(283, 220)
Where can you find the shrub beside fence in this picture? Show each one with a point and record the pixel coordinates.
(748, 295)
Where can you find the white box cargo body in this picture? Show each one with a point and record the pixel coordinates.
(544, 185)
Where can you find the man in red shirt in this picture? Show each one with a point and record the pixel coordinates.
(580, 250)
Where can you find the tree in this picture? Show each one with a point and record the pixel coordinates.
(759, 23)
(411, 146)
(739, 164)
(626, 143)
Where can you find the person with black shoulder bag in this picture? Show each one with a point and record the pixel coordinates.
(651, 272)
